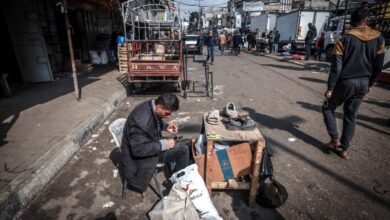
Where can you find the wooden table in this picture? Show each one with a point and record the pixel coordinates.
(254, 137)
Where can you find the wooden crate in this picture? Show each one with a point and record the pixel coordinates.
(122, 58)
(240, 157)
(122, 48)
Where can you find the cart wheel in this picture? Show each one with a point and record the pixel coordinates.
(130, 89)
(178, 87)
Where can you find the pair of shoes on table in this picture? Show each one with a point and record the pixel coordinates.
(234, 121)
(244, 123)
(336, 145)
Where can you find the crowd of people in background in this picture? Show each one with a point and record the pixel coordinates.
(257, 41)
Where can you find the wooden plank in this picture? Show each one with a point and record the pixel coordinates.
(256, 171)
(225, 185)
(209, 162)
(122, 56)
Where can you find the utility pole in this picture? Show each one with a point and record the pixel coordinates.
(199, 15)
(200, 24)
(70, 43)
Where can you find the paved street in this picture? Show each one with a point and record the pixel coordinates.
(285, 100)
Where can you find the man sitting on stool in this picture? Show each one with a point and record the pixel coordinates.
(143, 145)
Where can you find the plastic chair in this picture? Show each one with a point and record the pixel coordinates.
(116, 130)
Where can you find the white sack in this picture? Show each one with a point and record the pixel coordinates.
(190, 180)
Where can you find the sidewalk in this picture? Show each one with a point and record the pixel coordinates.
(43, 125)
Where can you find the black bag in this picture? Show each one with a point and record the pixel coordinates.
(267, 168)
(270, 193)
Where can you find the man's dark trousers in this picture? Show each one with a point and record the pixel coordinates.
(179, 154)
(308, 51)
(351, 93)
(210, 53)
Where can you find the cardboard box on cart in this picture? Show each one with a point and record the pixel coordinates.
(240, 157)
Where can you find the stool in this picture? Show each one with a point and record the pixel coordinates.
(158, 168)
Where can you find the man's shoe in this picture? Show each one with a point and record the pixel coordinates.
(344, 154)
(334, 144)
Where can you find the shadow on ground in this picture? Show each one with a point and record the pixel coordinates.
(243, 211)
(332, 174)
(289, 124)
(290, 67)
(378, 121)
(310, 79)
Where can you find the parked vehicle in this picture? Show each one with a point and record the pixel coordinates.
(155, 51)
(338, 25)
(294, 26)
(266, 21)
(333, 31)
(190, 44)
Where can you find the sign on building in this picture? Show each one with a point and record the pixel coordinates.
(253, 6)
(238, 21)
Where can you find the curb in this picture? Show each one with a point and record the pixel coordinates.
(19, 199)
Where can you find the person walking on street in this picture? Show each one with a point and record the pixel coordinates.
(143, 145)
(237, 40)
(249, 40)
(276, 41)
(199, 43)
(310, 35)
(210, 43)
(271, 38)
(253, 41)
(222, 43)
(356, 64)
(320, 46)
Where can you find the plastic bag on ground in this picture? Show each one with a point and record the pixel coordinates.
(95, 58)
(103, 57)
(174, 206)
(190, 180)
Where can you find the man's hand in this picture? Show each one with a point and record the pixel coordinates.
(171, 128)
(328, 94)
(369, 89)
(170, 143)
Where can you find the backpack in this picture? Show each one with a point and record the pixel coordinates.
(270, 193)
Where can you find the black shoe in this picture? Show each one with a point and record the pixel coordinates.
(233, 124)
(247, 124)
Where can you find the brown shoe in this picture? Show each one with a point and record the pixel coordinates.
(334, 144)
(344, 154)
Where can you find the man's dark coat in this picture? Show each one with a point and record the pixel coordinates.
(140, 146)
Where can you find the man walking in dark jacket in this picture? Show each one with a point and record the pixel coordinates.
(211, 42)
(143, 145)
(310, 36)
(356, 63)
